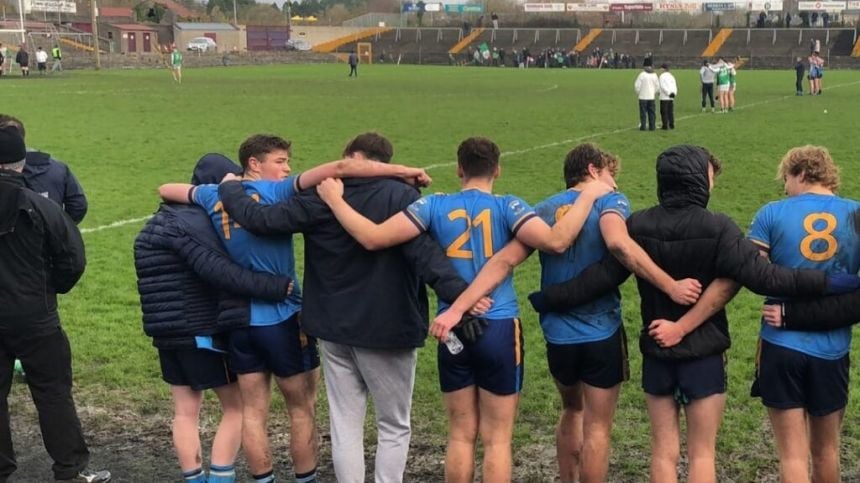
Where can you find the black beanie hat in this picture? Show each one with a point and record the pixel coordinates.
(648, 62)
(12, 148)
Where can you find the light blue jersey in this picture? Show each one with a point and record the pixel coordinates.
(473, 225)
(271, 254)
(810, 231)
(596, 320)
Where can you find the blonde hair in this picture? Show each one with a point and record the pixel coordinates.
(813, 162)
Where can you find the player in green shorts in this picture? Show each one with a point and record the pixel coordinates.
(176, 64)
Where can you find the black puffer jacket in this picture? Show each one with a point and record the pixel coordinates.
(188, 284)
(687, 241)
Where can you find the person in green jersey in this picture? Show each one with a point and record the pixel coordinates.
(176, 64)
(723, 71)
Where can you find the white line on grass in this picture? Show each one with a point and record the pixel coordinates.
(520, 151)
(115, 224)
(550, 88)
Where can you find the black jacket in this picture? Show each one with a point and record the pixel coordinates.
(41, 255)
(687, 241)
(54, 180)
(824, 313)
(187, 282)
(22, 58)
(353, 296)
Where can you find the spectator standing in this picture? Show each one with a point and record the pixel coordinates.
(799, 70)
(353, 64)
(668, 91)
(22, 58)
(814, 19)
(49, 177)
(787, 19)
(4, 57)
(41, 60)
(57, 55)
(495, 19)
(647, 86)
(707, 76)
(50, 260)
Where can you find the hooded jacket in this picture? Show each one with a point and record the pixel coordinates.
(187, 282)
(54, 180)
(687, 241)
(41, 255)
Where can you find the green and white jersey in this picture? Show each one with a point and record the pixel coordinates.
(723, 75)
(176, 58)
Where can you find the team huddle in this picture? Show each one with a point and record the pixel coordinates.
(227, 310)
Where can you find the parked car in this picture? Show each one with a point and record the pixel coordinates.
(202, 44)
(298, 44)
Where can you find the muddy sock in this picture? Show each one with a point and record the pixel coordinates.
(267, 477)
(222, 474)
(195, 476)
(308, 477)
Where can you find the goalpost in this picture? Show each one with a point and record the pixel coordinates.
(20, 30)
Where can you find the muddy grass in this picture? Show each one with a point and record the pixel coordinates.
(136, 448)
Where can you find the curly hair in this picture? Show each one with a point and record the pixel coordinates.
(579, 158)
(813, 162)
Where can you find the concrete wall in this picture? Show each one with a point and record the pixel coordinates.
(156, 61)
(120, 39)
(319, 35)
(227, 40)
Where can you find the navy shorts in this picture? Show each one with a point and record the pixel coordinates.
(789, 379)
(601, 363)
(685, 380)
(198, 368)
(493, 363)
(282, 349)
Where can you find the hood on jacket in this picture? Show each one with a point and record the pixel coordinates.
(37, 162)
(682, 177)
(212, 168)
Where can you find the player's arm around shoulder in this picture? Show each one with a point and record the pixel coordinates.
(372, 236)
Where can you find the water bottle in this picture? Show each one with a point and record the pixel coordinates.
(453, 343)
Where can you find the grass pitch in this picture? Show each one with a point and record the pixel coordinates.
(126, 132)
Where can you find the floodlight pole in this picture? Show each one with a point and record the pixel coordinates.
(235, 16)
(21, 20)
(95, 29)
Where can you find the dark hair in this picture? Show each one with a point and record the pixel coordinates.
(478, 157)
(259, 145)
(10, 121)
(714, 161)
(373, 145)
(577, 160)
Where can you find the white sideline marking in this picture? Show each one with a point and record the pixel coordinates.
(115, 224)
(550, 88)
(521, 151)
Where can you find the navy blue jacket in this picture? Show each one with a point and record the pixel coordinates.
(187, 282)
(353, 296)
(54, 180)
